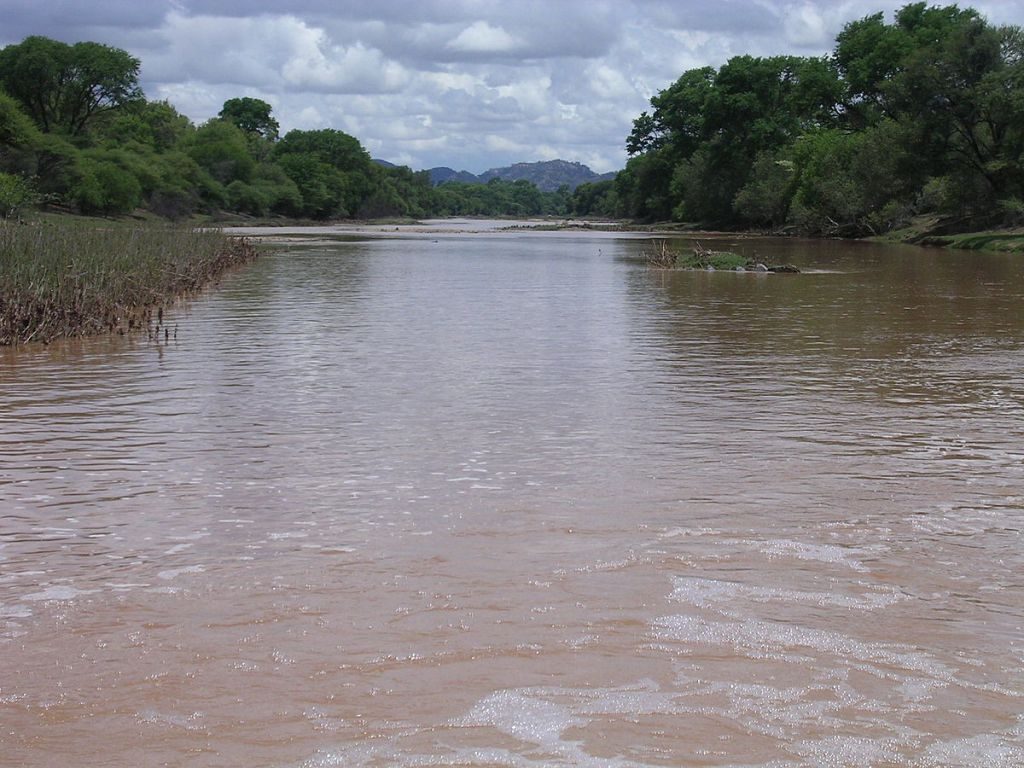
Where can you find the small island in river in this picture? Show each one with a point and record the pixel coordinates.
(701, 258)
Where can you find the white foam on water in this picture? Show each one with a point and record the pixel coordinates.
(756, 636)
(629, 561)
(279, 657)
(322, 721)
(62, 592)
(642, 698)
(190, 722)
(537, 716)
(522, 716)
(15, 611)
(358, 756)
(822, 553)
(195, 536)
(172, 573)
(18, 575)
(673, 533)
(848, 752)
(988, 750)
(716, 595)
(540, 717)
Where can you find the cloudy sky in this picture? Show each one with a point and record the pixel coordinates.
(471, 84)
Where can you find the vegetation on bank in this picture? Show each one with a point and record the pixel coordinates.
(916, 118)
(979, 241)
(920, 116)
(69, 279)
(77, 132)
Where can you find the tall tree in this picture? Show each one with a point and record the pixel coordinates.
(65, 87)
(16, 130)
(252, 116)
(222, 150)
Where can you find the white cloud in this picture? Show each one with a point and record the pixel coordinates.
(805, 26)
(336, 69)
(466, 83)
(481, 37)
(501, 144)
(309, 118)
(275, 53)
(609, 83)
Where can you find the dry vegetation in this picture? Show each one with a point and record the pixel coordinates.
(59, 280)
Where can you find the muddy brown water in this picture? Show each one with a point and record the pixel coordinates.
(515, 499)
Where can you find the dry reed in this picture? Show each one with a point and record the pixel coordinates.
(59, 280)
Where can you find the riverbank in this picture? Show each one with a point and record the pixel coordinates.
(933, 231)
(1010, 241)
(925, 230)
(74, 278)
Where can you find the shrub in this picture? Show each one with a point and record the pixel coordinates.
(16, 193)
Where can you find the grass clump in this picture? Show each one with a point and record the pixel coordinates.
(1008, 242)
(663, 257)
(701, 258)
(60, 280)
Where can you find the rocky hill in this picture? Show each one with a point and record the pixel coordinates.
(548, 175)
(443, 173)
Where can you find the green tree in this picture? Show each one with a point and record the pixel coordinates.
(222, 150)
(16, 193)
(333, 172)
(955, 85)
(16, 129)
(181, 185)
(694, 153)
(678, 119)
(852, 183)
(251, 115)
(154, 124)
(595, 198)
(65, 87)
(102, 186)
(642, 187)
(18, 138)
(764, 199)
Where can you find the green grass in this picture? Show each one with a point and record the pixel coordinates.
(698, 257)
(75, 278)
(1012, 242)
(712, 260)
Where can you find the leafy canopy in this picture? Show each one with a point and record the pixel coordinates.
(62, 87)
(252, 116)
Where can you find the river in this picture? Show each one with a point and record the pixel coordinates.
(485, 498)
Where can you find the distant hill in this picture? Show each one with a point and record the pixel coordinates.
(443, 173)
(548, 175)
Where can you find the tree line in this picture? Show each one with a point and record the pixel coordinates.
(76, 131)
(923, 115)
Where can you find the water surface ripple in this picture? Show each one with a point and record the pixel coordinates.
(518, 500)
